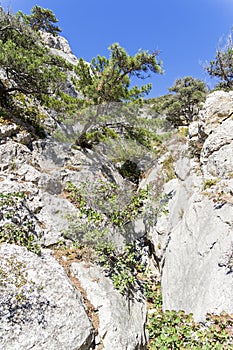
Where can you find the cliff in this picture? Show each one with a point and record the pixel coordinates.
(61, 205)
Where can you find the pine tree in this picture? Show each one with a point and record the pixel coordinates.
(27, 66)
(222, 66)
(183, 105)
(43, 19)
(108, 80)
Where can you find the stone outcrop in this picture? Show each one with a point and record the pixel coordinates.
(39, 306)
(121, 320)
(33, 204)
(186, 226)
(196, 261)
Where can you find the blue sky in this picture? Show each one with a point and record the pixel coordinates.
(186, 32)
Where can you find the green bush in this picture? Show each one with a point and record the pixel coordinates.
(178, 330)
(12, 229)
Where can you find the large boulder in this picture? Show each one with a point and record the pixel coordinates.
(122, 320)
(217, 108)
(39, 307)
(197, 259)
(197, 273)
(217, 151)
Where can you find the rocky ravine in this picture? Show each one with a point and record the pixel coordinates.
(55, 310)
(52, 301)
(197, 233)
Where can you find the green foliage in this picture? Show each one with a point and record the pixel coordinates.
(29, 68)
(168, 168)
(108, 80)
(122, 268)
(209, 183)
(106, 197)
(43, 19)
(12, 228)
(177, 330)
(222, 66)
(183, 106)
(102, 206)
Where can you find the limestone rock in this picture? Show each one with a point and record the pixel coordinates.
(8, 130)
(197, 274)
(13, 153)
(23, 137)
(39, 307)
(217, 108)
(56, 42)
(121, 321)
(217, 152)
(54, 213)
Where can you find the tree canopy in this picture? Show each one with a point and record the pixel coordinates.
(27, 66)
(108, 79)
(184, 103)
(222, 66)
(43, 19)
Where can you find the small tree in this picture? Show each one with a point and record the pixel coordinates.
(43, 19)
(222, 66)
(182, 106)
(108, 80)
(28, 67)
(105, 81)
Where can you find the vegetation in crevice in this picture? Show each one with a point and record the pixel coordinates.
(178, 330)
(13, 228)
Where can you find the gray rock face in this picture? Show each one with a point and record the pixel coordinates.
(217, 151)
(8, 130)
(200, 251)
(121, 321)
(56, 42)
(197, 259)
(217, 108)
(39, 307)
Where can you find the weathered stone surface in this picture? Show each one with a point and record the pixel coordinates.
(197, 258)
(13, 153)
(197, 274)
(57, 42)
(121, 321)
(39, 307)
(217, 108)
(217, 152)
(8, 130)
(23, 137)
(54, 214)
(173, 201)
(193, 130)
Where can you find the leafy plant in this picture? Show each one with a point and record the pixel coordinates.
(177, 330)
(122, 268)
(107, 208)
(168, 168)
(14, 229)
(209, 183)
(107, 198)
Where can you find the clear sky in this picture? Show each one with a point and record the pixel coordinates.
(186, 32)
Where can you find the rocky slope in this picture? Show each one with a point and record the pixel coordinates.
(197, 256)
(57, 293)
